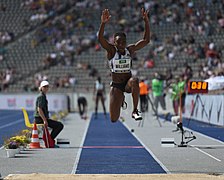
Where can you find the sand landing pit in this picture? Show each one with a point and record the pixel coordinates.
(38, 176)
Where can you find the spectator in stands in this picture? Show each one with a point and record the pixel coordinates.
(168, 77)
(119, 56)
(199, 52)
(48, 61)
(211, 54)
(99, 94)
(82, 105)
(5, 37)
(149, 64)
(221, 22)
(188, 72)
(7, 78)
(42, 114)
(72, 80)
(93, 72)
(2, 7)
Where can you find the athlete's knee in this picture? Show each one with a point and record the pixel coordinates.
(113, 118)
(60, 126)
(134, 81)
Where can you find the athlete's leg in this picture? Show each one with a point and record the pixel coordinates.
(103, 104)
(96, 107)
(183, 97)
(116, 99)
(142, 103)
(145, 102)
(156, 103)
(124, 104)
(162, 102)
(80, 108)
(85, 109)
(175, 107)
(133, 87)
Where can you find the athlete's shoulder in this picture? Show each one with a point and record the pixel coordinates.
(112, 52)
(130, 48)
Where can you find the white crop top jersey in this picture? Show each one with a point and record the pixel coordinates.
(99, 86)
(121, 63)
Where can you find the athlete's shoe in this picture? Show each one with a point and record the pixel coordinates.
(136, 115)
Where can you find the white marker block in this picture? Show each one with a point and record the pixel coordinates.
(167, 142)
(63, 143)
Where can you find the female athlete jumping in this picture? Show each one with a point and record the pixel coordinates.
(120, 61)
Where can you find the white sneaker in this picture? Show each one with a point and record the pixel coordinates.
(136, 115)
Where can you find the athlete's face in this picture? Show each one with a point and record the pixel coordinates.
(120, 42)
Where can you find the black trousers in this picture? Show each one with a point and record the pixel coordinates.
(143, 103)
(82, 104)
(54, 125)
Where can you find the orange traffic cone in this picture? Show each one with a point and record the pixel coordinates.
(35, 143)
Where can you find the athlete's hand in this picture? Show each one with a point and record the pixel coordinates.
(145, 14)
(105, 17)
(46, 124)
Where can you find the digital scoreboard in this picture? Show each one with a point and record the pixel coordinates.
(197, 87)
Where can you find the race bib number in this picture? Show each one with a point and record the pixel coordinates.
(122, 65)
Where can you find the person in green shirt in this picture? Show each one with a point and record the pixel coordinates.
(41, 114)
(157, 90)
(178, 89)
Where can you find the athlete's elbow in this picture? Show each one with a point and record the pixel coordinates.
(147, 41)
(100, 39)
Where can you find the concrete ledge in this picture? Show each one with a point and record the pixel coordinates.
(38, 176)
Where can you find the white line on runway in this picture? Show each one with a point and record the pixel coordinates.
(12, 123)
(80, 150)
(206, 153)
(10, 115)
(208, 146)
(150, 152)
(206, 136)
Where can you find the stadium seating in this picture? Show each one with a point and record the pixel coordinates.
(29, 48)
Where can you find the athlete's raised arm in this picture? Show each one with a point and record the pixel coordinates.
(146, 38)
(105, 17)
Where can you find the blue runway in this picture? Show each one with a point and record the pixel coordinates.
(109, 148)
(11, 122)
(210, 130)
